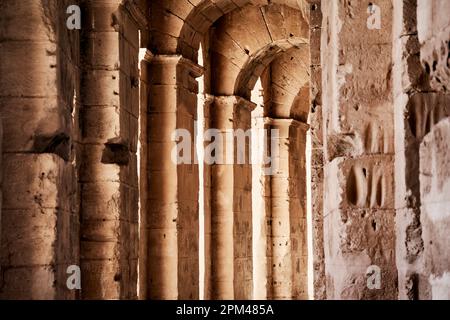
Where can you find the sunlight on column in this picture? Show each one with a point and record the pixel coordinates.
(142, 53)
(258, 204)
(201, 193)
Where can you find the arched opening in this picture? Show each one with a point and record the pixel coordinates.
(266, 47)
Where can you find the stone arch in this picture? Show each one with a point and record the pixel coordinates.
(244, 53)
(237, 57)
(290, 78)
(177, 26)
(243, 44)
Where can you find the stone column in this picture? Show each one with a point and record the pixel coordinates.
(108, 171)
(288, 211)
(172, 220)
(38, 84)
(143, 169)
(231, 222)
(207, 202)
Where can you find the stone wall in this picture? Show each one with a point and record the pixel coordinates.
(435, 213)
(317, 157)
(358, 113)
(421, 100)
(88, 174)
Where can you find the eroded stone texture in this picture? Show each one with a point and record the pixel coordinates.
(89, 178)
(359, 143)
(316, 125)
(435, 214)
(37, 98)
(421, 101)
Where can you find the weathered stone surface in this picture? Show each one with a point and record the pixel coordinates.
(88, 177)
(435, 217)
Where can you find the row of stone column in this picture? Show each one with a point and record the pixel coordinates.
(70, 163)
(173, 197)
(71, 166)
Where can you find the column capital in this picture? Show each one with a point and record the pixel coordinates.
(233, 100)
(286, 123)
(175, 70)
(195, 70)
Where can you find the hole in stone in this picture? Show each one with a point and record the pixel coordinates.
(427, 68)
(134, 82)
(380, 193)
(448, 57)
(117, 277)
(314, 7)
(435, 63)
(365, 172)
(352, 192)
(374, 225)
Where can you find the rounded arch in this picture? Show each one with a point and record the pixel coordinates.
(245, 41)
(289, 96)
(177, 26)
(288, 55)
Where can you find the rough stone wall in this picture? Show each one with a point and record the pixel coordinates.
(358, 141)
(421, 101)
(38, 85)
(316, 124)
(433, 26)
(108, 170)
(435, 210)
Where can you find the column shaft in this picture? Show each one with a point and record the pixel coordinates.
(38, 85)
(288, 207)
(231, 219)
(108, 171)
(172, 220)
